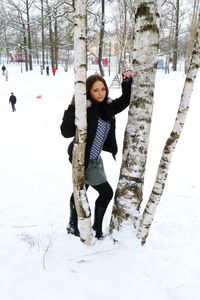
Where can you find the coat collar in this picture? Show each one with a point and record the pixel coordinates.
(89, 102)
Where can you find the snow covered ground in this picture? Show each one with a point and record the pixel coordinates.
(38, 260)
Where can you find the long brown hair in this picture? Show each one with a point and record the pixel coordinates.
(91, 80)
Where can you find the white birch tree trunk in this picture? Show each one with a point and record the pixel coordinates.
(78, 162)
(170, 145)
(129, 192)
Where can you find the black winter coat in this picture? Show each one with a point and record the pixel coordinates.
(111, 108)
(12, 99)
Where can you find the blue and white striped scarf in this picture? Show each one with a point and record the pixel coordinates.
(103, 128)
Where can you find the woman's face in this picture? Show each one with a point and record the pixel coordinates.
(98, 91)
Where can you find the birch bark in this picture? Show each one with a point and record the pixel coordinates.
(78, 162)
(129, 191)
(171, 142)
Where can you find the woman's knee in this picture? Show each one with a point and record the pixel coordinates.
(109, 192)
(105, 194)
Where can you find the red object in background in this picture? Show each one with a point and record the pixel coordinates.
(105, 62)
(6, 75)
(54, 70)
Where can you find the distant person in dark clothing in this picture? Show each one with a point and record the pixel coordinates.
(3, 70)
(13, 101)
(47, 70)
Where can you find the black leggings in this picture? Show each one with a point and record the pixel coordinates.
(105, 194)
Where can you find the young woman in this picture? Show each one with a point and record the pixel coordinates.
(101, 111)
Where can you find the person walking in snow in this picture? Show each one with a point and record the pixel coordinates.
(3, 70)
(47, 70)
(13, 101)
(6, 75)
(54, 70)
(101, 111)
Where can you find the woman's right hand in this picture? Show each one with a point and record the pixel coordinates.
(126, 75)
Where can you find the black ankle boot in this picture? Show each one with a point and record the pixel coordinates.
(72, 227)
(98, 220)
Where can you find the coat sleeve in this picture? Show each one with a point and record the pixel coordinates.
(68, 127)
(122, 102)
